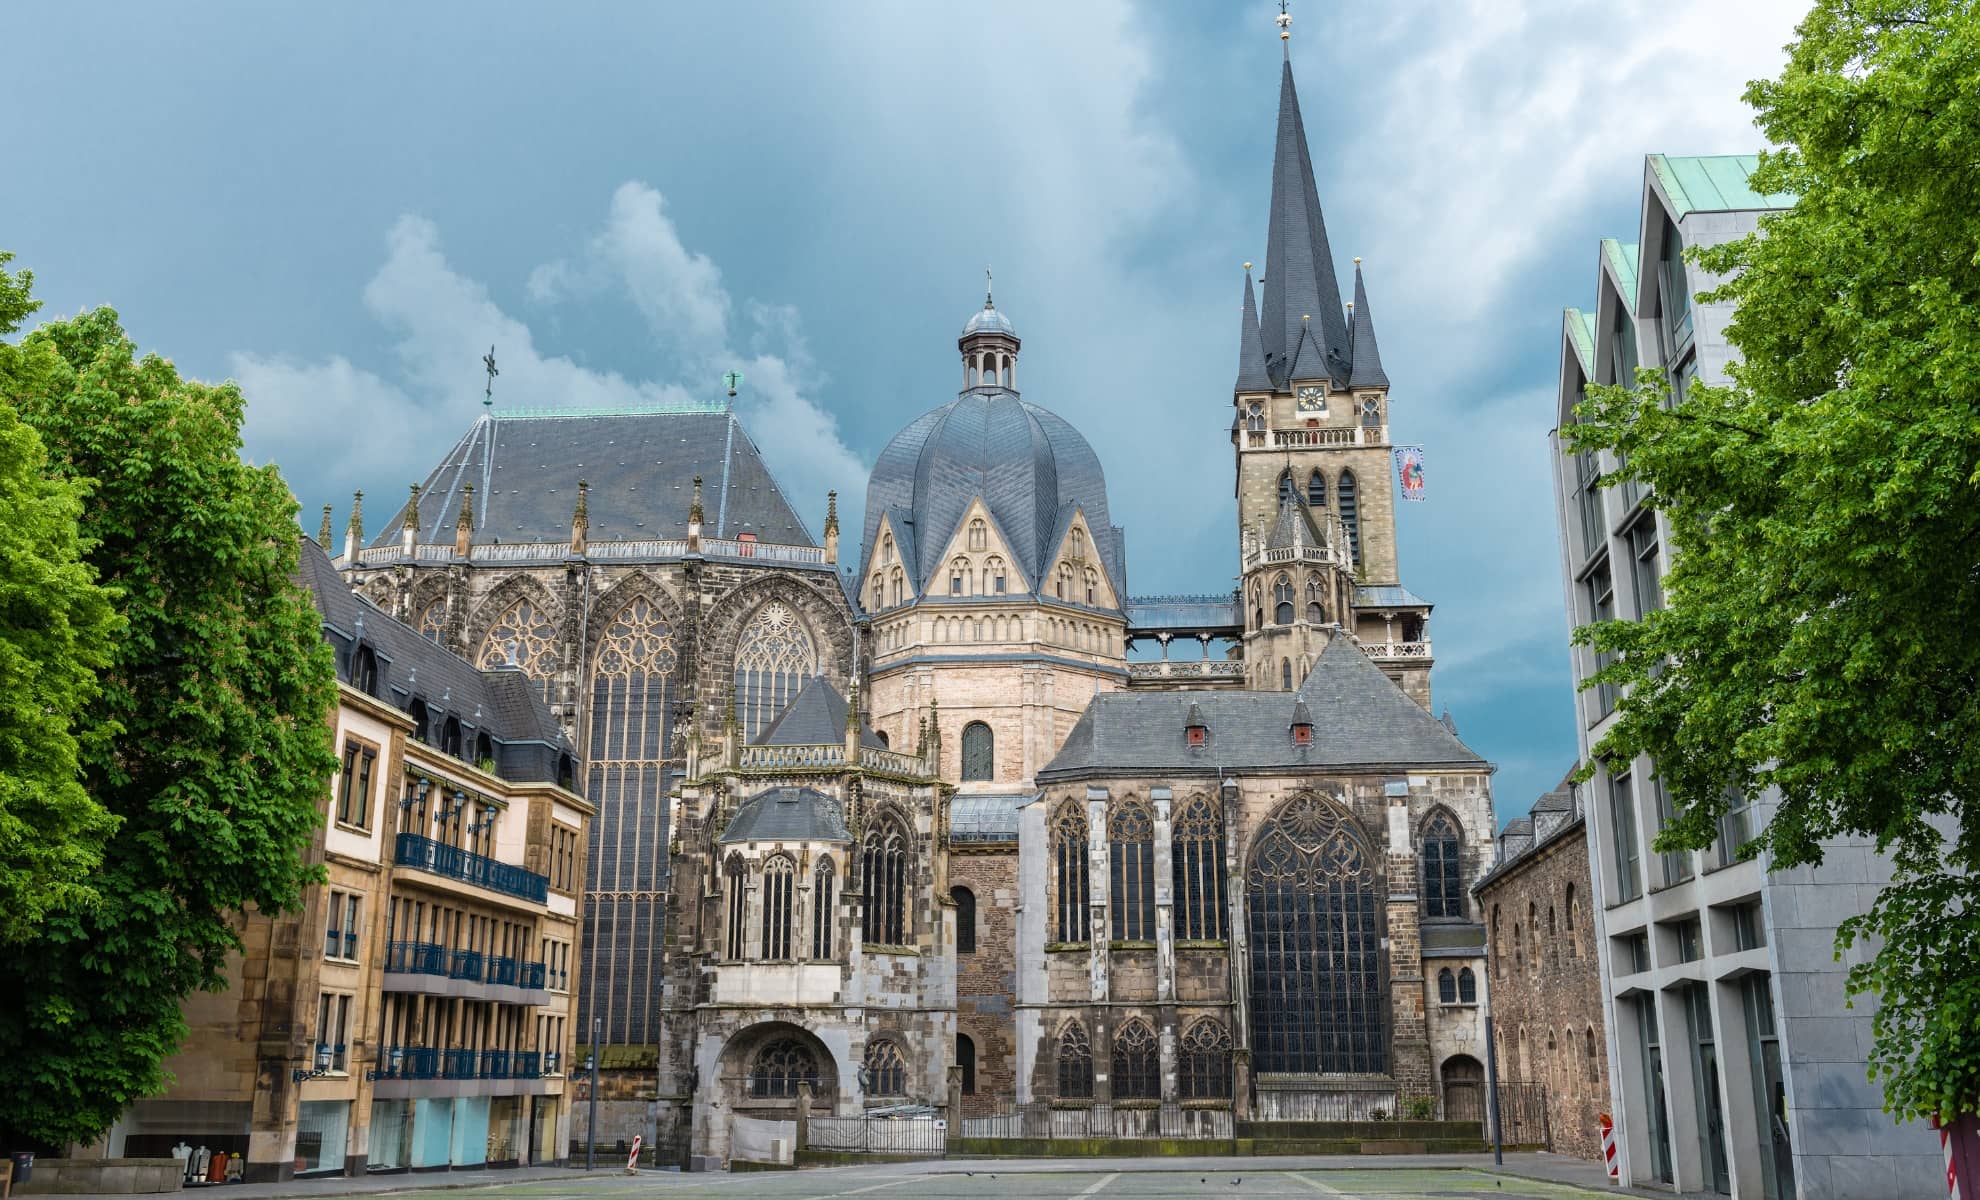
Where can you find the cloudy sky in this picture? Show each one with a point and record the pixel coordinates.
(342, 206)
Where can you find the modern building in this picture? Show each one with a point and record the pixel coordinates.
(1736, 1066)
(416, 1013)
(1543, 980)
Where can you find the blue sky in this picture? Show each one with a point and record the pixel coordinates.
(341, 206)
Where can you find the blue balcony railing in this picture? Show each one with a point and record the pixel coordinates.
(527, 1064)
(494, 1064)
(408, 1062)
(502, 970)
(457, 1064)
(453, 862)
(531, 976)
(466, 965)
(416, 958)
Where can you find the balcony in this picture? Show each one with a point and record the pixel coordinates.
(1197, 668)
(531, 976)
(458, 1064)
(495, 1064)
(416, 958)
(503, 971)
(452, 862)
(409, 1062)
(466, 964)
(528, 1064)
(1396, 651)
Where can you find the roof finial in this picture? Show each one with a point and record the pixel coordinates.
(323, 532)
(488, 364)
(987, 282)
(1285, 28)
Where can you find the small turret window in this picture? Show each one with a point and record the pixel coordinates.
(979, 535)
(979, 752)
(994, 569)
(1316, 604)
(1316, 490)
(1282, 601)
(1287, 488)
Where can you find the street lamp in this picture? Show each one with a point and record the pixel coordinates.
(322, 1065)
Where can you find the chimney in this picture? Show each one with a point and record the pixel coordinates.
(409, 534)
(694, 519)
(354, 530)
(581, 519)
(464, 525)
(831, 527)
(323, 531)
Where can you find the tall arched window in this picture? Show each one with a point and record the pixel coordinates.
(735, 883)
(1196, 859)
(1315, 967)
(1203, 1063)
(1075, 1063)
(824, 883)
(1282, 601)
(775, 655)
(979, 753)
(1573, 925)
(1493, 949)
(1131, 871)
(780, 1066)
(1285, 674)
(432, 620)
(979, 535)
(523, 636)
(1443, 886)
(1350, 506)
(966, 1060)
(1069, 846)
(1316, 490)
(965, 919)
(885, 865)
(1287, 488)
(779, 886)
(1467, 986)
(1316, 601)
(1533, 928)
(886, 1069)
(1447, 986)
(633, 688)
(897, 581)
(1137, 1067)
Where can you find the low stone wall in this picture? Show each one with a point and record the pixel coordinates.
(102, 1176)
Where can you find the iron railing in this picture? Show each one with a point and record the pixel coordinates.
(416, 958)
(409, 1062)
(423, 853)
(1129, 1120)
(494, 1064)
(458, 1063)
(531, 976)
(466, 965)
(502, 970)
(921, 1134)
(527, 1064)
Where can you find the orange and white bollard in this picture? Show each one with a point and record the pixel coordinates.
(1609, 1158)
(632, 1159)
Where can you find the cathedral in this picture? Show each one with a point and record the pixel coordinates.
(938, 819)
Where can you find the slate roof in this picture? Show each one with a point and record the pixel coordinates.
(1151, 613)
(1361, 719)
(1029, 465)
(1299, 265)
(1295, 527)
(788, 814)
(1387, 595)
(1361, 341)
(816, 716)
(1251, 376)
(640, 465)
(986, 818)
(1552, 817)
(502, 703)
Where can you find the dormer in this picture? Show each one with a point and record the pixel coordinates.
(1196, 734)
(1302, 722)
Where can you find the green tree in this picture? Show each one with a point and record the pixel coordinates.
(1822, 635)
(55, 624)
(219, 685)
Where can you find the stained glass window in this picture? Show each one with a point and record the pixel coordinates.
(524, 636)
(1069, 835)
(774, 656)
(1203, 1065)
(979, 752)
(885, 921)
(1131, 871)
(1137, 1068)
(1196, 859)
(1075, 1063)
(1443, 886)
(886, 1070)
(779, 878)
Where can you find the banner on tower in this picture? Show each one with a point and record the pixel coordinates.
(1409, 468)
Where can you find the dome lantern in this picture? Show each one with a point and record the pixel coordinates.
(989, 345)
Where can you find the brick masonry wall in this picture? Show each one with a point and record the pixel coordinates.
(1551, 987)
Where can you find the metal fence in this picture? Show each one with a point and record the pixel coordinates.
(924, 1136)
(1297, 1099)
(1042, 1119)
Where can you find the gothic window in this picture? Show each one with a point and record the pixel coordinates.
(824, 882)
(979, 753)
(1467, 986)
(1064, 582)
(1494, 944)
(979, 535)
(1131, 864)
(1075, 1063)
(965, 919)
(994, 572)
(887, 548)
(886, 1070)
(780, 1067)
(1519, 951)
(1533, 928)
(774, 657)
(1316, 490)
(1316, 602)
(779, 882)
(885, 853)
(1287, 488)
(898, 581)
(1447, 986)
(1443, 889)
(1078, 544)
(1285, 674)
(1573, 925)
(1196, 858)
(523, 636)
(958, 575)
(1282, 601)
(734, 883)
(634, 683)
(1137, 1070)
(367, 671)
(966, 1059)
(1350, 509)
(1254, 417)
(1069, 845)
(1315, 963)
(1203, 1066)
(1092, 586)
(432, 620)
(1371, 413)
(879, 592)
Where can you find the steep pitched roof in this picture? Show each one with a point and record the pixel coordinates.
(1367, 358)
(1251, 376)
(1299, 265)
(788, 814)
(1361, 719)
(640, 464)
(1294, 526)
(816, 716)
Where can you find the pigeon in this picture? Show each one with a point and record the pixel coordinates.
(1238, 1180)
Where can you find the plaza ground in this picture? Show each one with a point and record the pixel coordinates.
(1446, 1177)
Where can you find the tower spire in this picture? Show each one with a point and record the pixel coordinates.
(1367, 359)
(1251, 376)
(1299, 264)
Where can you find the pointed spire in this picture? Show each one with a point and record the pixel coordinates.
(409, 523)
(1367, 358)
(354, 529)
(1251, 376)
(464, 524)
(581, 519)
(323, 530)
(1300, 280)
(831, 527)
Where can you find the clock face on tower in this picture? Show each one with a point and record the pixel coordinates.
(1313, 400)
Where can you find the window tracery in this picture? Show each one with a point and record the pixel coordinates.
(884, 921)
(775, 655)
(779, 879)
(523, 636)
(886, 1069)
(1136, 1067)
(1203, 1063)
(1443, 885)
(824, 882)
(1069, 847)
(1316, 601)
(1131, 862)
(780, 1066)
(1196, 858)
(979, 535)
(432, 622)
(1075, 1063)
(1282, 601)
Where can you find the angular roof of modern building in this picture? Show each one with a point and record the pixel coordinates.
(1361, 719)
(1713, 183)
(640, 463)
(788, 814)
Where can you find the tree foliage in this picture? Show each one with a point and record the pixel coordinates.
(218, 686)
(55, 623)
(1822, 633)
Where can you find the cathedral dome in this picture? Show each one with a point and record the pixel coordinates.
(988, 320)
(1029, 465)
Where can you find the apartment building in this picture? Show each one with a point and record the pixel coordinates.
(415, 1014)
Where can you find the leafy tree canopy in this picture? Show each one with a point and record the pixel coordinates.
(219, 686)
(55, 624)
(1822, 635)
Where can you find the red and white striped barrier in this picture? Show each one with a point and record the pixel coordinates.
(1609, 1158)
(1946, 1149)
(632, 1159)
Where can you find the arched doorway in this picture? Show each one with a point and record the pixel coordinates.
(1463, 1080)
(1315, 956)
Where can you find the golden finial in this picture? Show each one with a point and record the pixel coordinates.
(1247, 266)
(1357, 260)
(1285, 22)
